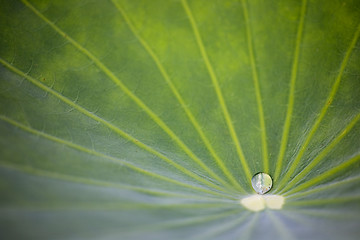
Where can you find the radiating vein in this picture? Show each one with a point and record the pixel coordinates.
(215, 231)
(215, 82)
(323, 153)
(144, 229)
(130, 94)
(104, 156)
(251, 226)
(325, 175)
(184, 222)
(110, 126)
(338, 214)
(323, 111)
(340, 200)
(121, 206)
(294, 71)
(257, 88)
(324, 188)
(101, 183)
(178, 96)
(281, 228)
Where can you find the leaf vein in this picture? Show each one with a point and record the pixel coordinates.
(93, 182)
(325, 175)
(130, 94)
(257, 88)
(323, 153)
(178, 96)
(294, 70)
(323, 111)
(110, 126)
(217, 90)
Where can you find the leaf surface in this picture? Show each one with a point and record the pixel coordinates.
(147, 119)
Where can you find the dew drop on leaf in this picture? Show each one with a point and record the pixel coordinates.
(261, 182)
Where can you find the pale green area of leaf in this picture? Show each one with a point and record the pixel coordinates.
(132, 119)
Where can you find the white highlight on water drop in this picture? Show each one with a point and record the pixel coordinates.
(261, 182)
(274, 201)
(254, 203)
(257, 202)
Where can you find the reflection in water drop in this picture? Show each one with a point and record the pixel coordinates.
(261, 182)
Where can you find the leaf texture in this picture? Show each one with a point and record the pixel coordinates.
(141, 119)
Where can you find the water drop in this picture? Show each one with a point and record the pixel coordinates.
(261, 182)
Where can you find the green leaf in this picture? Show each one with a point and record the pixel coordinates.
(126, 119)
